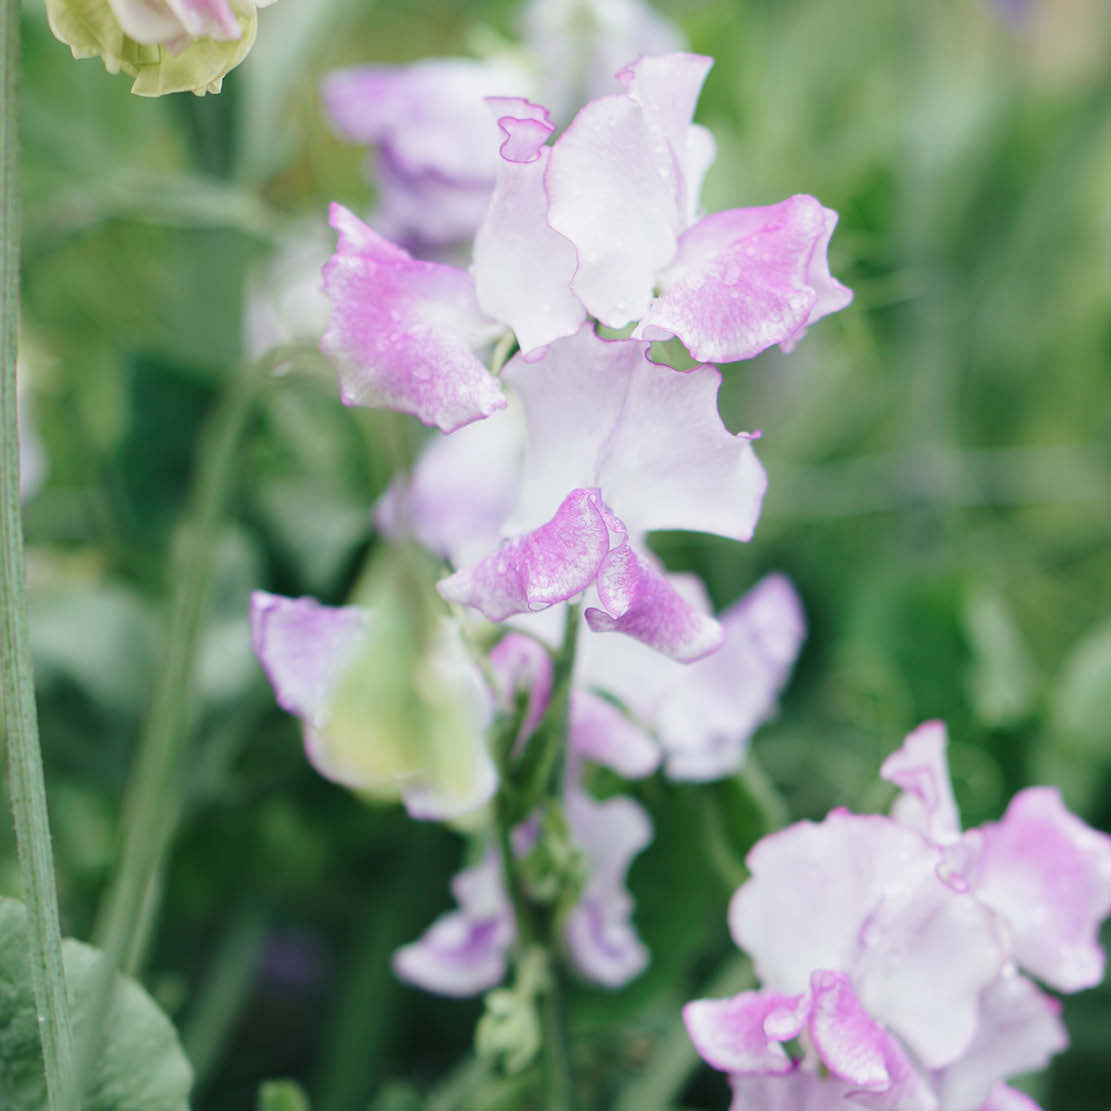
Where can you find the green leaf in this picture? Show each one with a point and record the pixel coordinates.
(141, 1066)
(282, 1095)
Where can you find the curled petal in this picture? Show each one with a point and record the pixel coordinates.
(402, 332)
(1049, 875)
(921, 770)
(1018, 1031)
(465, 951)
(305, 649)
(600, 731)
(849, 1042)
(523, 268)
(748, 278)
(599, 932)
(743, 1034)
(550, 564)
(639, 601)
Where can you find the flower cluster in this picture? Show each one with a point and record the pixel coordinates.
(893, 955)
(167, 46)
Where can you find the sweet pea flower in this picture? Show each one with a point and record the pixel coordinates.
(615, 446)
(167, 46)
(465, 951)
(893, 954)
(380, 714)
(623, 184)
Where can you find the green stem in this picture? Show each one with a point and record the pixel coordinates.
(26, 784)
(557, 1062)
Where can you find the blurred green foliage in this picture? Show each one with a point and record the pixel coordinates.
(939, 491)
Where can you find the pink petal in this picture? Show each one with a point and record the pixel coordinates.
(748, 278)
(212, 18)
(522, 268)
(849, 1042)
(305, 649)
(1049, 875)
(465, 951)
(599, 932)
(733, 1034)
(1003, 1098)
(600, 731)
(402, 331)
(922, 771)
(551, 564)
(599, 413)
(1019, 1030)
(639, 601)
(617, 187)
(522, 665)
(148, 21)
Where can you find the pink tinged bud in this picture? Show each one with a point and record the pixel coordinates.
(920, 768)
(212, 18)
(1048, 875)
(521, 665)
(746, 279)
(403, 332)
(553, 563)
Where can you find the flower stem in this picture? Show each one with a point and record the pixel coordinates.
(17, 695)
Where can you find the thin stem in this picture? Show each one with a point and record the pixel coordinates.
(557, 1061)
(27, 788)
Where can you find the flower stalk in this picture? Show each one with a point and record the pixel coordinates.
(25, 774)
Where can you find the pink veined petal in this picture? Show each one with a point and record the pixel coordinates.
(847, 1038)
(464, 951)
(599, 932)
(1048, 874)
(213, 18)
(522, 665)
(733, 1034)
(599, 413)
(746, 279)
(639, 601)
(600, 731)
(523, 268)
(553, 563)
(305, 648)
(462, 489)
(1019, 1030)
(617, 188)
(920, 768)
(402, 332)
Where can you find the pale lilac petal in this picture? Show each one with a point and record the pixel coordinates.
(1049, 876)
(918, 952)
(465, 951)
(462, 489)
(305, 649)
(402, 332)
(617, 187)
(600, 731)
(748, 278)
(523, 268)
(1003, 1098)
(550, 564)
(212, 18)
(1019, 1030)
(599, 413)
(733, 1034)
(638, 600)
(431, 116)
(797, 1091)
(922, 771)
(599, 932)
(578, 57)
(522, 665)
